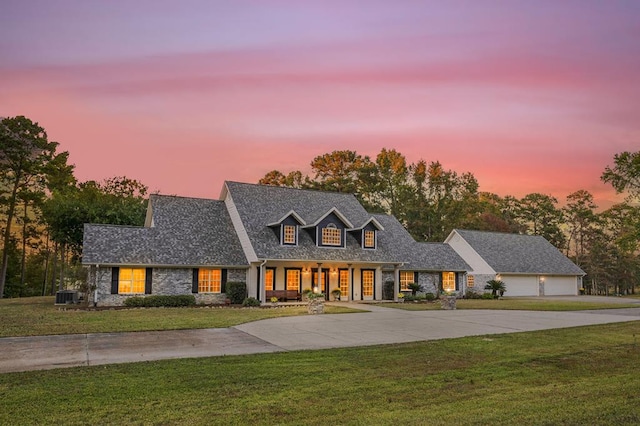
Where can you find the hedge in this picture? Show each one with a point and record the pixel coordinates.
(160, 301)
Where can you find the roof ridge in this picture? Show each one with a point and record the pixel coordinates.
(277, 187)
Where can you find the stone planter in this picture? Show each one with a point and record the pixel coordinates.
(448, 302)
(315, 306)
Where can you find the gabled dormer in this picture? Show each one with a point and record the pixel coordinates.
(287, 228)
(367, 234)
(330, 229)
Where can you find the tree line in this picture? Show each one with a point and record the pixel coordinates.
(43, 208)
(430, 201)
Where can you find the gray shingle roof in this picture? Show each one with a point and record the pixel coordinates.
(186, 231)
(515, 253)
(260, 205)
(419, 256)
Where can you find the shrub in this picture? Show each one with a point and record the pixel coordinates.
(487, 296)
(415, 288)
(250, 301)
(472, 295)
(236, 292)
(160, 301)
(430, 297)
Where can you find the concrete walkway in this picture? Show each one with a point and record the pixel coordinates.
(379, 325)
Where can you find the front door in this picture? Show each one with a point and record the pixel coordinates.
(368, 281)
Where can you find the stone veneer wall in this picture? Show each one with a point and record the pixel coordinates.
(479, 281)
(166, 281)
(429, 281)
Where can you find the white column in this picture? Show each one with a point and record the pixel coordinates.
(396, 282)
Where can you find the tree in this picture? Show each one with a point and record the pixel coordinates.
(496, 286)
(539, 214)
(625, 174)
(26, 156)
(579, 217)
(115, 201)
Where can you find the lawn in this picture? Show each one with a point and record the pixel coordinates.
(578, 376)
(37, 316)
(514, 304)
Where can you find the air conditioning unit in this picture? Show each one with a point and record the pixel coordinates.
(65, 297)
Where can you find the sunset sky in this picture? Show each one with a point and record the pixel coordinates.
(529, 96)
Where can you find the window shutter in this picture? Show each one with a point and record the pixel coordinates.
(148, 279)
(415, 277)
(115, 273)
(223, 284)
(194, 281)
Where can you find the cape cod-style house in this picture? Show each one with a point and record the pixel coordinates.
(279, 241)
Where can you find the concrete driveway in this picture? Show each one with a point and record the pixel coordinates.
(379, 325)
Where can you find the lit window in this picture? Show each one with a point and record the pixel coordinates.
(369, 239)
(131, 281)
(289, 234)
(449, 281)
(470, 281)
(293, 279)
(367, 283)
(331, 235)
(209, 280)
(406, 278)
(344, 283)
(268, 279)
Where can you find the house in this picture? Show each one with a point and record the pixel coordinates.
(528, 264)
(279, 241)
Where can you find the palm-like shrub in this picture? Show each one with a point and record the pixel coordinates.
(496, 286)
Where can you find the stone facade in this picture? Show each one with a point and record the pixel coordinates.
(165, 281)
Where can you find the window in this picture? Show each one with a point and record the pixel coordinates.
(449, 281)
(343, 279)
(293, 279)
(331, 235)
(289, 234)
(209, 280)
(269, 275)
(406, 278)
(131, 281)
(471, 280)
(367, 283)
(369, 239)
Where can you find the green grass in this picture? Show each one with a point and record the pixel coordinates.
(584, 375)
(37, 316)
(514, 304)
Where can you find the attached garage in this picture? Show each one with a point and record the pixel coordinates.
(560, 286)
(528, 264)
(520, 285)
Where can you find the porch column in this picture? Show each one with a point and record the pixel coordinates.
(261, 289)
(350, 282)
(396, 281)
(320, 289)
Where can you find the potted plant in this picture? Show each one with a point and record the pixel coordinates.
(401, 297)
(336, 294)
(274, 300)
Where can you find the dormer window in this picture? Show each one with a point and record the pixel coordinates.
(289, 235)
(369, 239)
(331, 235)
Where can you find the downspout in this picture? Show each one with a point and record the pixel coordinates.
(95, 294)
(261, 290)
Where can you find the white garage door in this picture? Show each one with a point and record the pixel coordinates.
(560, 286)
(520, 285)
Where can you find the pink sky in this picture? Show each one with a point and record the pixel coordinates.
(528, 96)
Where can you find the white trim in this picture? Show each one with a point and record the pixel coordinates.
(236, 220)
(293, 213)
(337, 213)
